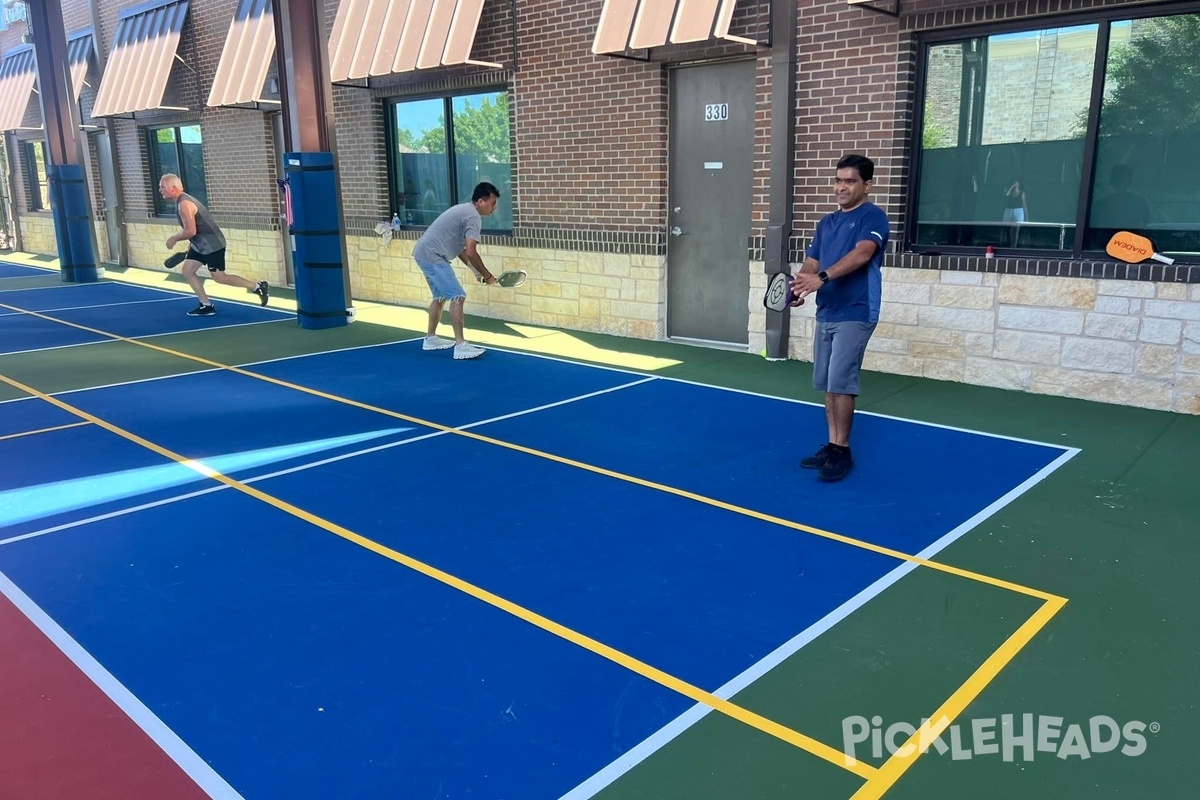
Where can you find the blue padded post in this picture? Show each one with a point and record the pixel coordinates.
(72, 223)
(321, 300)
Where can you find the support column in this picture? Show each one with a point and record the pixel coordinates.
(69, 203)
(317, 227)
(114, 198)
(783, 163)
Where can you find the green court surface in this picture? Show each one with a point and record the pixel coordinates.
(1113, 531)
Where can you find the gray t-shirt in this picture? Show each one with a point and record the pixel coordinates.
(208, 238)
(448, 234)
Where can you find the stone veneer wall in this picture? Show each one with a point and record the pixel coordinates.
(254, 254)
(1135, 343)
(37, 233)
(619, 294)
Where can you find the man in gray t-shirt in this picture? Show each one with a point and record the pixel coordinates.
(206, 247)
(455, 233)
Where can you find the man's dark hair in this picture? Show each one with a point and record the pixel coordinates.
(483, 191)
(864, 165)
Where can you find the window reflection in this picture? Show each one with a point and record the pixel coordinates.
(1146, 178)
(481, 150)
(178, 150)
(436, 162)
(421, 174)
(1003, 139)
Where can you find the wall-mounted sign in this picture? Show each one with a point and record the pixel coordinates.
(716, 112)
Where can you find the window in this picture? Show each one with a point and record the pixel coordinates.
(33, 156)
(1022, 147)
(179, 150)
(13, 12)
(440, 148)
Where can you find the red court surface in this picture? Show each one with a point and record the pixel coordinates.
(62, 738)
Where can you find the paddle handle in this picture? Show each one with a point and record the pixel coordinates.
(1162, 258)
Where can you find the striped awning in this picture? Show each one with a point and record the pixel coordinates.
(382, 37)
(246, 58)
(640, 24)
(18, 72)
(79, 52)
(139, 64)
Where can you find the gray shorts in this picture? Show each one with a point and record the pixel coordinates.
(838, 351)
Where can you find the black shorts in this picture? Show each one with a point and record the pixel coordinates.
(215, 261)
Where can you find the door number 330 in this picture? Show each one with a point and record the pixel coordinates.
(716, 112)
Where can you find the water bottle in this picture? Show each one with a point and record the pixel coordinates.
(395, 222)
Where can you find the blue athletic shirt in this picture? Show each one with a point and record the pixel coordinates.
(855, 297)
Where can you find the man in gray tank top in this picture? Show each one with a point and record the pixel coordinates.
(206, 247)
(454, 234)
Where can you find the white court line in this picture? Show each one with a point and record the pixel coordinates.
(776, 397)
(666, 734)
(607, 368)
(81, 390)
(677, 726)
(27, 311)
(188, 760)
(302, 467)
(44, 288)
(113, 337)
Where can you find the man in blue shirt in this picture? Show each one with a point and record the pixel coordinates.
(842, 266)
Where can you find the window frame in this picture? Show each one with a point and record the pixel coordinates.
(1101, 17)
(155, 168)
(447, 98)
(34, 187)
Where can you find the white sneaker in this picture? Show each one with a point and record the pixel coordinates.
(467, 350)
(437, 343)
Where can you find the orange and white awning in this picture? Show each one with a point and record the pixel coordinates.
(640, 24)
(246, 58)
(79, 53)
(139, 64)
(382, 37)
(18, 73)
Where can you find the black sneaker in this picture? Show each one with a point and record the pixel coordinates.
(203, 310)
(263, 290)
(817, 459)
(837, 466)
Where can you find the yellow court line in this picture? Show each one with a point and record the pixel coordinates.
(43, 430)
(767, 726)
(982, 677)
(908, 753)
(837, 537)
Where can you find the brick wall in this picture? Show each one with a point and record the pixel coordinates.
(1050, 326)
(591, 143)
(590, 150)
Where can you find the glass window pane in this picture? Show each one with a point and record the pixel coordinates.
(481, 151)
(1147, 178)
(193, 163)
(1002, 141)
(420, 170)
(164, 158)
(41, 200)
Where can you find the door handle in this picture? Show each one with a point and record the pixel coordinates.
(677, 231)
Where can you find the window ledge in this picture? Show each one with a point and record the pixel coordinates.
(1178, 272)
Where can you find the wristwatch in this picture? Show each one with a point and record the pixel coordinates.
(824, 276)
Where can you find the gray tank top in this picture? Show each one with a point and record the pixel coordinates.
(208, 238)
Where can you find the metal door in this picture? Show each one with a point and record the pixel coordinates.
(277, 136)
(108, 187)
(708, 218)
